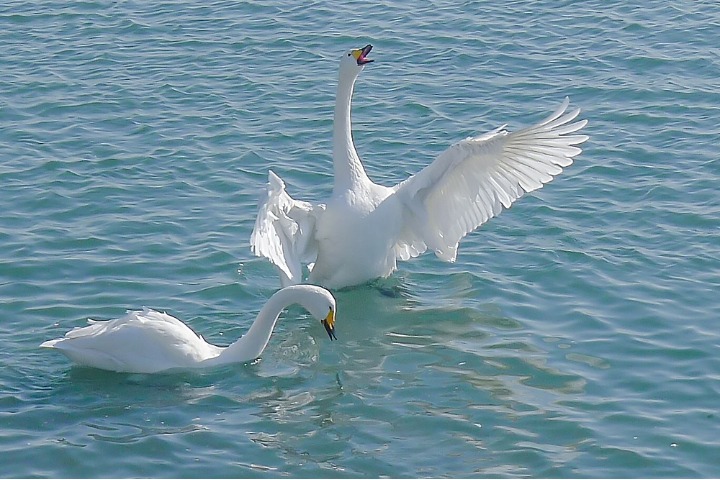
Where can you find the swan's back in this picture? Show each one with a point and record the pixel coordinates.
(142, 342)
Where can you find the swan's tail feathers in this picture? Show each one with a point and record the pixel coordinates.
(50, 343)
(284, 231)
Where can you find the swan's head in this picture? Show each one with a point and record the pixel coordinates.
(321, 305)
(354, 61)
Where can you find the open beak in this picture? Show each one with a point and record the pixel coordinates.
(361, 54)
(329, 324)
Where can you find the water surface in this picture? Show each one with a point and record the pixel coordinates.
(576, 335)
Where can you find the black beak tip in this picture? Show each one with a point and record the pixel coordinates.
(330, 331)
(365, 52)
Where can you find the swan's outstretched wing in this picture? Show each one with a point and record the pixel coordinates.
(475, 178)
(284, 231)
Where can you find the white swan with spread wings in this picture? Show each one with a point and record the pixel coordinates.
(361, 232)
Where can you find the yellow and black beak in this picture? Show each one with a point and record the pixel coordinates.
(361, 54)
(329, 324)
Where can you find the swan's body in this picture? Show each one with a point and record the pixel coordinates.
(149, 342)
(364, 228)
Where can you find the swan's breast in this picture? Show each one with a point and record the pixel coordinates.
(355, 238)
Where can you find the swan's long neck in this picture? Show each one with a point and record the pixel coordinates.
(251, 345)
(349, 172)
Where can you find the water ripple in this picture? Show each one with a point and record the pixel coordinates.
(574, 336)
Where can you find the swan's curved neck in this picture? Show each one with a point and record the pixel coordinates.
(251, 345)
(349, 171)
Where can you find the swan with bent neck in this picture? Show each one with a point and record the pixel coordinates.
(149, 342)
(364, 228)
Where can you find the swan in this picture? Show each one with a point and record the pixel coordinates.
(149, 342)
(361, 232)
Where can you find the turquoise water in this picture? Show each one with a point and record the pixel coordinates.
(576, 335)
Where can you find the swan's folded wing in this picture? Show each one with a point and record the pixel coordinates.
(475, 178)
(284, 231)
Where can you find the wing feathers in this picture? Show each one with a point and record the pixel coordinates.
(284, 231)
(475, 178)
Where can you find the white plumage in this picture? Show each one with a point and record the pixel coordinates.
(364, 228)
(149, 342)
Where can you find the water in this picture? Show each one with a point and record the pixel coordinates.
(576, 335)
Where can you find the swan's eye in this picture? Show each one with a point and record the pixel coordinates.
(349, 54)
